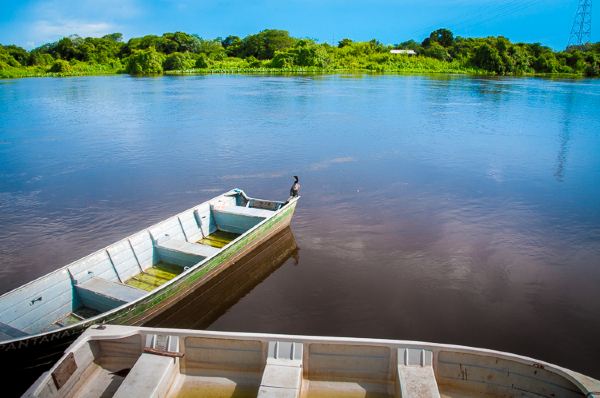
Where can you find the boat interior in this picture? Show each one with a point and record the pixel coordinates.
(131, 268)
(179, 363)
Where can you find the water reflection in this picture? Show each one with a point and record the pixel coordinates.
(564, 137)
(459, 210)
(208, 302)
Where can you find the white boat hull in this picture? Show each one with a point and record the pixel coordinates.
(132, 361)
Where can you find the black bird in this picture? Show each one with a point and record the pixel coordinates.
(295, 187)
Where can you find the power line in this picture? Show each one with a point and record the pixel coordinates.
(499, 14)
(466, 22)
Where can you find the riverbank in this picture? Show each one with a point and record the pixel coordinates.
(16, 73)
(417, 65)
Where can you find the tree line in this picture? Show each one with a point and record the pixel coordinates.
(274, 49)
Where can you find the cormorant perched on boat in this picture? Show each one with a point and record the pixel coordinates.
(295, 187)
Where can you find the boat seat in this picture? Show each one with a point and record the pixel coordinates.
(416, 378)
(153, 373)
(8, 332)
(246, 211)
(103, 295)
(195, 249)
(150, 374)
(282, 376)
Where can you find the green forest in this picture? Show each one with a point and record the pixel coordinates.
(276, 51)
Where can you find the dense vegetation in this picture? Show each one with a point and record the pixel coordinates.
(276, 50)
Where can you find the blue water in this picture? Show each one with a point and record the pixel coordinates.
(447, 209)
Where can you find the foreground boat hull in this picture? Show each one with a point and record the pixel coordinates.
(30, 356)
(178, 362)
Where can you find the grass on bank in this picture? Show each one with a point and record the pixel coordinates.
(75, 69)
(380, 64)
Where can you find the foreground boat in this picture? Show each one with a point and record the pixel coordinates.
(135, 279)
(120, 361)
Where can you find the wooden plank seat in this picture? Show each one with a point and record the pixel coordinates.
(8, 332)
(195, 249)
(246, 211)
(103, 295)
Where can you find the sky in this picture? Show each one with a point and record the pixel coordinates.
(31, 23)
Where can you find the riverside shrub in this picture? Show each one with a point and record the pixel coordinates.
(145, 62)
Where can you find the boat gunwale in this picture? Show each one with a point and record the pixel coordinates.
(190, 269)
(587, 384)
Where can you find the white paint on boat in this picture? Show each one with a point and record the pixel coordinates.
(225, 364)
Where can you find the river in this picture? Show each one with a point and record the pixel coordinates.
(448, 209)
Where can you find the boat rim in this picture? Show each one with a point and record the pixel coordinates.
(590, 385)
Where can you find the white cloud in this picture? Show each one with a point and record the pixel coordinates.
(49, 20)
(44, 31)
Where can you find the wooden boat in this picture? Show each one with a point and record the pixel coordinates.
(124, 361)
(134, 279)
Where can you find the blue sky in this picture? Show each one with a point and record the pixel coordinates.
(30, 23)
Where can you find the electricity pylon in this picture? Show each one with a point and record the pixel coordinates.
(581, 31)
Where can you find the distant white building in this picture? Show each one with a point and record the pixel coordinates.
(406, 52)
